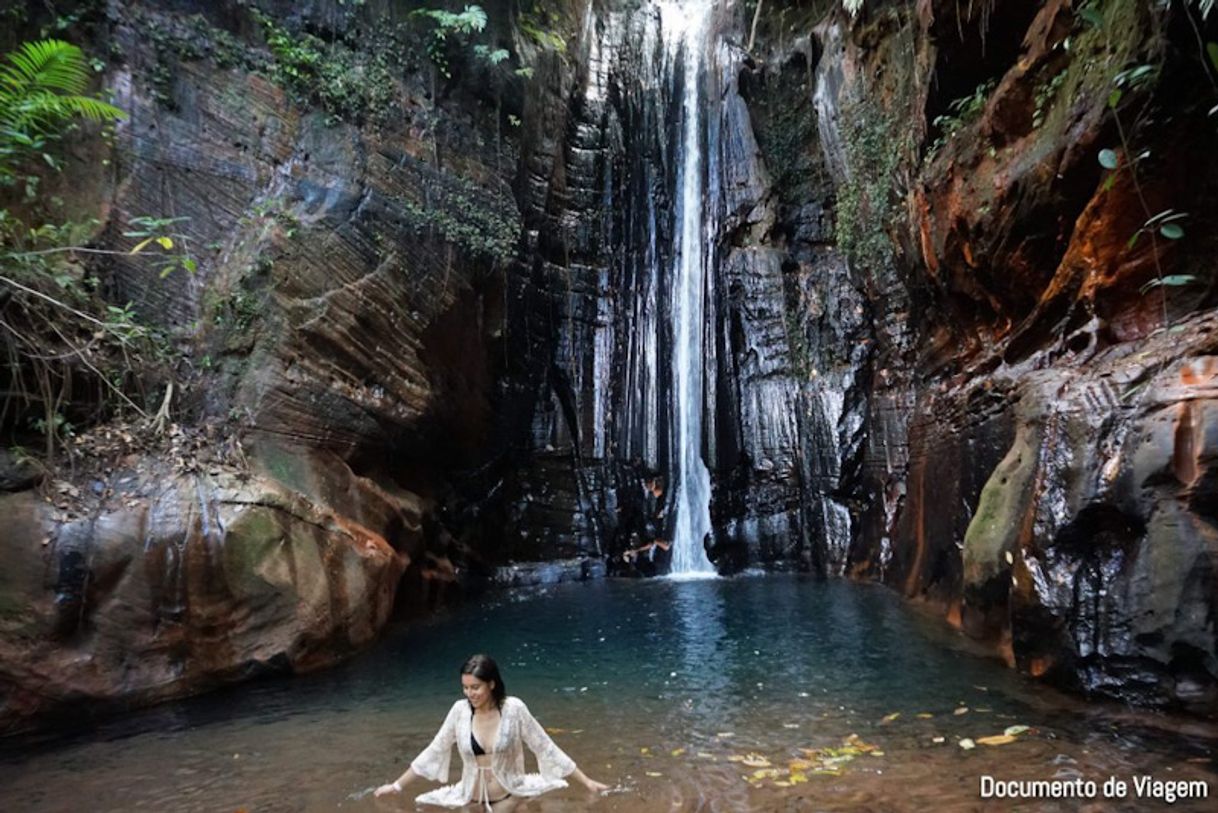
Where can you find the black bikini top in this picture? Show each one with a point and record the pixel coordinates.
(473, 741)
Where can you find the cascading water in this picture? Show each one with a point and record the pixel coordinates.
(685, 27)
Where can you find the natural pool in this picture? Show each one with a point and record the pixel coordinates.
(657, 687)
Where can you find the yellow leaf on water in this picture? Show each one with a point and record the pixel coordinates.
(877, 753)
(997, 739)
(891, 717)
(925, 716)
(798, 778)
(735, 758)
(756, 761)
(676, 752)
(796, 765)
(704, 755)
(644, 750)
(961, 710)
(725, 734)
(654, 773)
(765, 773)
(781, 783)
(1011, 731)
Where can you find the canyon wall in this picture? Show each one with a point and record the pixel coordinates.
(429, 336)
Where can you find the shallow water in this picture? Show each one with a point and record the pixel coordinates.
(652, 686)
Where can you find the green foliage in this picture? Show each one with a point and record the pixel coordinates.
(41, 91)
(67, 357)
(158, 231)
(348, 86)
(448, 26)
(462, 213)
(1136, 78)
(867, 202)
(469, 21)
(1046, 92)
(539, 28)
(962, 112)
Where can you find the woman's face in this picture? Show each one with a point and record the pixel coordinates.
(477, 692)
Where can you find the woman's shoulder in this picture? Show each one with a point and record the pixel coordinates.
(457, 704)
(513, 703)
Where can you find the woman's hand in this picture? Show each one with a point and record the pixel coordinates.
(385, 790)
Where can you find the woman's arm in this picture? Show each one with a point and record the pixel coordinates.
(433, 762)
(550, 758)
(399, 784)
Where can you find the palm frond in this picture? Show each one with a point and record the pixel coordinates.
(46, 65)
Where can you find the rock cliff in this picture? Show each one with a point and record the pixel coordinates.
(948, 345)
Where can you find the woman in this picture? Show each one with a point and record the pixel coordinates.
(489, 729)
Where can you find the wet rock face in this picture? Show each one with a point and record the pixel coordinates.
(347, 320)
(786, 324)
(185, 583)
(1037, 411)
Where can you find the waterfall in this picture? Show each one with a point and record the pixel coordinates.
(685, 27)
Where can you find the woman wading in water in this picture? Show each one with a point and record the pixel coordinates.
(490, 731)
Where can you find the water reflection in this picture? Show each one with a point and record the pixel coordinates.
(654, 685)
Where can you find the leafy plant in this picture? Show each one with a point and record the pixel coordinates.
(962, 112)
(471, 20)
(42, 88)
(67, 357)
(347, 84)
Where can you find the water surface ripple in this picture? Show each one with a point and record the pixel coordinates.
(653, 686)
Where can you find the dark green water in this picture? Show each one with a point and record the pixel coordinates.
(650, 686)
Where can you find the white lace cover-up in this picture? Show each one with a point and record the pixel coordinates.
(517, 728)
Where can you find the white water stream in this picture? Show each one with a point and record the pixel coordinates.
(685, 28)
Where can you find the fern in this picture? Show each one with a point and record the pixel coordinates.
(41, 88)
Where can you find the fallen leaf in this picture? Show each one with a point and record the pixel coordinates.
(997, 739)
(781, 783)
(1012, 730)
(676, 752)
(704, 755)
(925, 716)
(765, 773)
(725, 734)
(891, 717)
(798, 778)
(967, 744)
(654, 773)
(938, 740)
(961, 710)
(755, 761)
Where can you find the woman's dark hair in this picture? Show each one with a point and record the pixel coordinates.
(485, 669)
